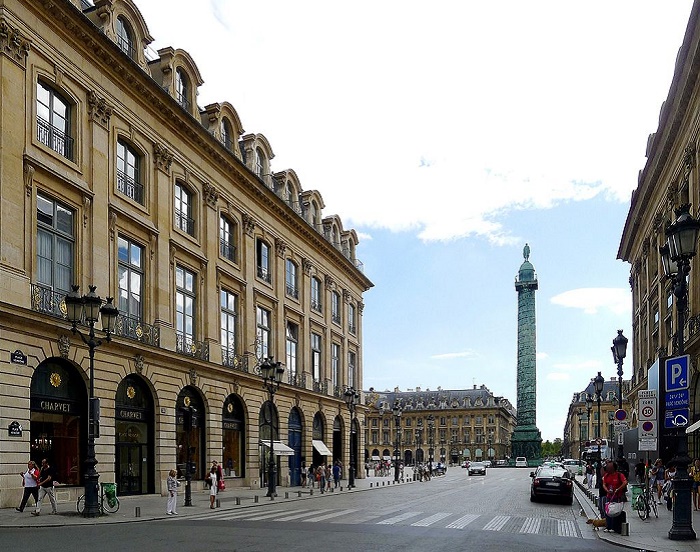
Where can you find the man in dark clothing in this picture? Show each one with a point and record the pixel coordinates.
(46, 480)
(623, 467)
(639, 471)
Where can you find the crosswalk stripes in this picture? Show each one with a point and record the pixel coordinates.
(430, 520)
(300, 515)
(497, 523)
(531, 525)
(462, 522)
(566, 528)
(331, 515)
(400, 517)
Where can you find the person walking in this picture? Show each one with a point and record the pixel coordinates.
(321, 477)
(657, 472)
(172, 484)
(213, 485)
(329, 477)
(695, 476)
(589, 474)
(30, 482)
(46, 481)
(615, 487)
(303, 472)
(336, 474)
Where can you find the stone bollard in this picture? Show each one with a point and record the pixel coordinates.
(137, 511)
(311, 492)
(286, 494)
(341, 488)
(625, 529)
(218, 504)
(370, 485)
(238, 501)
(299, 494)
(257, 499)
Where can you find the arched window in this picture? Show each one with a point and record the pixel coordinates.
(225, 131)
(182, 89)
(53, 125)
(259, 162)
(183, 209)
(292, 289)
(125, 37)
(227, 238)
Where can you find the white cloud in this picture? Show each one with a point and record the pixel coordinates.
(591, 300)
(450, 356)
(542, 356)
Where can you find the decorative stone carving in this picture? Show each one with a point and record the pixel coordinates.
(211, 195)
(98, 109)
(248, 224)
(138, 364)
(193, 377)
(329, 281)
(112, 224)
(307, 266)
(28, 178)
(346, 296)
(86, 209)
(64, 346)
(280, 247)
(688, 159)
(360, 307)
(162, 158)
(13, 43)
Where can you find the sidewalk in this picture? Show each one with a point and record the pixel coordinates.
(647, 536)
(151, 507)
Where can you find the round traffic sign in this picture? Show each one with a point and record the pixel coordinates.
(647, 411)
(620, 415)
(647, 426)
(598, 441)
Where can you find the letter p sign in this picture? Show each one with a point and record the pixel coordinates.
(677, 373)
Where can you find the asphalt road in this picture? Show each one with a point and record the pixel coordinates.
(454, 512)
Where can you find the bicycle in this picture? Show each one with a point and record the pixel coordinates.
(108, 500)
(645, 503)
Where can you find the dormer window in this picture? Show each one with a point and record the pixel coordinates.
(225, 131)
(259, 162)
(182, 89)
(125, 37)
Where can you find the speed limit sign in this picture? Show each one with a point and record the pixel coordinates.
(648, 408)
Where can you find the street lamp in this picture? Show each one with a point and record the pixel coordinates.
(352, 398)
(580, 435)
(619, 352)
(88, 308)
(681, 243)
(598, 383)
(397, 441)
(271, 373)
(431, 441)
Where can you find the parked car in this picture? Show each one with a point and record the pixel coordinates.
(501, 462)
(521, 462)
(551, 482)
(477, 468)
(575, 467)
(488, 463)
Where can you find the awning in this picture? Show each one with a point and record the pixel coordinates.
(321, 447)
(693, 427)
(387, 457)
(278, 448)
(376, 458)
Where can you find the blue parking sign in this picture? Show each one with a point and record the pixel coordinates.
(676, 369)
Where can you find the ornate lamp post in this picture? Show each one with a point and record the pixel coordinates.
(580, 434)
(619, 352)
(352, 398)
(681, 243)
(598, 383)
(271, 373)
(88, 309)
(431, 440)
(397, 441)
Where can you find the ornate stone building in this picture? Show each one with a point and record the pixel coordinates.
(442, 425)
(111, 174)
(670, 178)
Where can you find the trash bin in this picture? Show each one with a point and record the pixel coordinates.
(636, 491)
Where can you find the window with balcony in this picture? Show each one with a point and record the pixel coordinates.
(130, 276)
(184, 220)
(262, 319)
(291, 279)
(263, 261)
(53, 124)
(259, 162)
(125, 37)
(316, 356)
(228, 303)
(292, 344)
(335, 307)
(129, 172)
(351, 369)
(182, 89)
(316, 302)
(227, 238)
(352, 321)
(55, 243)
(185, 300)
(335, 365)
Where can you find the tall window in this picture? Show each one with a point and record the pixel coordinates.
(263, 261)
(291, 279)
(128, 172)
(55, 240)
(351, 369)
(227, 239)
(183, 210)
(259, 162)
(316, 356)
(225, 131)
(228, 303)
(125, 39)
(316, 303)
(335, 365)
(352, 319)
(182, 89)
(262, 318)
(335, 307)
(130, 256)
(53, 121)
(185, 304)
(292, 343)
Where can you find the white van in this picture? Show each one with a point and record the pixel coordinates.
(574, 467)
(520, 462)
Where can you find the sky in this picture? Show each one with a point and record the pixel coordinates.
(449, 134)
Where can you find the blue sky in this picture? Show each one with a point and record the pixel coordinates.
(449, 135)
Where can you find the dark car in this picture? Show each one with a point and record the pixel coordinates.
(551, 481)
(477, 468)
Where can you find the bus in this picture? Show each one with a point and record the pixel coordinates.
(590, 452)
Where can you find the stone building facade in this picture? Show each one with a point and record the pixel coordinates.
(112, 175)
(443, 425)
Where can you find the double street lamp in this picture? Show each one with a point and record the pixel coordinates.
(431, 440)
(681, 243)
(87, 309)
(598, 384)
(271, 373)
(580, 435)
(352, 398)
(619, 352)
(397, 442)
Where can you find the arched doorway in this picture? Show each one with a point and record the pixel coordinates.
(454, 456)
(420, 456)
(321, 452)
(338, 440)
(134, 440)
(478, 454)
(233, 429)
(408, 457)
(294, 440)
(58, 418)
(467, 454)
(269, 426)
(191, 444)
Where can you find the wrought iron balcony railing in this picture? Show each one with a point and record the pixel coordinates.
(185, 345)
(184, 222)
(227, 250)
(133, 328)
(129, 187)
(265, 274)
(54, 138)
(232, 360)
(292, 291)
(48, 301)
